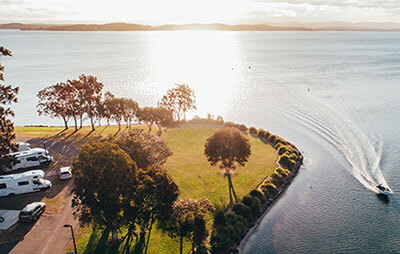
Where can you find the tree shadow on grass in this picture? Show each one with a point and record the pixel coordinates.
(99, 243)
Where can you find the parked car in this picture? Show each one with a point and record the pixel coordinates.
(65, 173)
(31, 212)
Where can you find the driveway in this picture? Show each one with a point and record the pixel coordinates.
(48, 236)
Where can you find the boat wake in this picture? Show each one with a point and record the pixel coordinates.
(361, 152)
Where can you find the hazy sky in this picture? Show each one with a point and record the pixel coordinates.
(198, 11)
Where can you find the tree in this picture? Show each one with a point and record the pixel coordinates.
(228, 147)
(162, 118)
(116, 107)
(188, 220)
(145, 149)
(130, 110)
(8, 95)
(149, 201)
(55, 101)
(146, 116)
(107, 110)
(159, 116)
(92, 94)
(103, 173)
(180, 100)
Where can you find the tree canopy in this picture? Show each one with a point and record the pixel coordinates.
(144, 148)
(103, 173)
(189, 220)
(180, 100)
(8, 95)
(228, 147)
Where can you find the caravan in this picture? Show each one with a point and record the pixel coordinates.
(35, 157)
(30, 181)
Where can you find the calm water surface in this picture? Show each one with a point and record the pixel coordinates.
(334, 94)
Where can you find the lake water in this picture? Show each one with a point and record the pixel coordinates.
(333, 94)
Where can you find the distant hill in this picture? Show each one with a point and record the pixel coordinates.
(138, 27)
(287, 26)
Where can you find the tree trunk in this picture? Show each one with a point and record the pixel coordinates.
(76, 123)
(148, 236)
(65, 122)
(181, 245)
(119, 125)
(81, 117)
(108, 121)
(92, 122)
(149, 126)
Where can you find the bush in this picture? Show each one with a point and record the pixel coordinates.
(253, 130)
(277, 178)
(242, 127)
(261, 133)
(225, 235)
(242, 210)
(269, 189)
(253, 203)
(230, 124)
(258, 194)
(282, 149)
(287, 162)
(267, 134)
(272, 139)
(283, 172)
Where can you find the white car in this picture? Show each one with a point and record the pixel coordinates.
(31, 212)
(65, 173)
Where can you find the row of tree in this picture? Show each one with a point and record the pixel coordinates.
(120, 184)
(77, 99)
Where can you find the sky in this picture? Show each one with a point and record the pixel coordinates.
(157, 12)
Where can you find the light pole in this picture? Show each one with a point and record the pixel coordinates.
(73, 238)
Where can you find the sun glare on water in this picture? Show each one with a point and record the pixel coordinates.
(207, 61)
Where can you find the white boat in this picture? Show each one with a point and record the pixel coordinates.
(383, 190)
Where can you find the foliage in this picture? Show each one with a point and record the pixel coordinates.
(242, 210)
(159, 116)
(253, 203)
(130, 110)
(188, 221)
(253, 130)
(144, 148)
(102, 174)
(8, 95)
(258, 194)
(228, 147)
(269, 189)
(150, 201)
(228, 229)
(179, 100)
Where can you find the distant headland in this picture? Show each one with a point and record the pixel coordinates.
(175, 27)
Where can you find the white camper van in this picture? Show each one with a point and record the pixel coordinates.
(26, 182)
(34, 157)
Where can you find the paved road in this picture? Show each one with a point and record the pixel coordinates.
(48, 236)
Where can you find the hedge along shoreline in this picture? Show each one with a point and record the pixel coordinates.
(238, 223)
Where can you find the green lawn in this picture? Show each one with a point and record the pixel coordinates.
(189, 168)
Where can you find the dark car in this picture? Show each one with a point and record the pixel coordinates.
(31, 212)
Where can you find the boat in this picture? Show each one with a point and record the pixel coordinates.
(383, 190)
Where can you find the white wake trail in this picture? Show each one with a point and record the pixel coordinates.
(362, 155)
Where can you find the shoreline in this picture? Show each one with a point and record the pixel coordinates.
(251, 228)
(265, 208)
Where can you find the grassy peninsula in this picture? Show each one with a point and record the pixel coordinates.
(188, 167)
